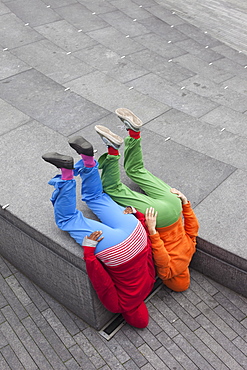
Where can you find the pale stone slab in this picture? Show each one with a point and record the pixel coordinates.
(65, 35)
(123, 23)
(213, 72)
(156, 44)
(160, 65)
(221, 94)
(202, 137)
(52, 61)
(235, 55)
(35, 12)
(198, 35)
(15, 33)
(49, 103)
(10, 65)
(110, 94)
(195, 48)
(163, 29)
(224, 215)
(227, 118)
(131, 9)
(11, 117)
(81, 17)
(114, 65)
(4, 9)
(121, 43)
(172, 95)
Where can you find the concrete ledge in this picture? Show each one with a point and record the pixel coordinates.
(65, 281)
(220, 265)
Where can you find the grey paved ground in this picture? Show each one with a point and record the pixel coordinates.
(67, 65)
(203, 328)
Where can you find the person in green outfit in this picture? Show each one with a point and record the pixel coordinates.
(170, 220)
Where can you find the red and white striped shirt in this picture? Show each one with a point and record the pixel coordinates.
(126, 250)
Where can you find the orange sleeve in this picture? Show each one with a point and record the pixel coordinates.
(161, 257)
(191, 224)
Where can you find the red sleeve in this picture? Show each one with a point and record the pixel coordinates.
(141, 217)
(101, 281)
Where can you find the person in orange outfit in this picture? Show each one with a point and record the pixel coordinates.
(173, 246)
(171, 222)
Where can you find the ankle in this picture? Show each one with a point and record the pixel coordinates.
(67, 174)
(88, 160)
(112, 151)
(134, 134)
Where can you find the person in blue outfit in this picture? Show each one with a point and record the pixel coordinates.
(117, 250)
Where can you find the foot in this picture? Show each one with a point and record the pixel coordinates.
(130, 120)
(108, 137)
(59, 160)
(81, 145)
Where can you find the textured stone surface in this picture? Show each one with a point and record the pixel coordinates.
(66, 66)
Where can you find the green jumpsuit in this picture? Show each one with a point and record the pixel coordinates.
(157, 193)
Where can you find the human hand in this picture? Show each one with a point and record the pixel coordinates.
(150, 221)
(128, 210)
(95, 236)
(180, 195)
(93, 239)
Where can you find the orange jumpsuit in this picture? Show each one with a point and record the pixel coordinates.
(173, 247)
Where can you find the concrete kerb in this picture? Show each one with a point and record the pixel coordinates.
(64, 277)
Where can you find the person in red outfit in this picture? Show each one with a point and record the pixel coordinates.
(117, 250)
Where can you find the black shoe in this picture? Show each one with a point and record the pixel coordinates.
(59, 160)
(81, 145)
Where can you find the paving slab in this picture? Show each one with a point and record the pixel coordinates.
(122, 22)
(131, 8)
(104, 59)
(68, 66)
(65, 35)
(117, 41)
(155, 43)
(195, 48)
(34, 12)
(234, 215)
(16, 33)
(211, 71)
(172, 95)
(163, 29)
(214, 141)
(11, 65)
(46, 99)
(81, 17)
(52, 61)
(222, 94)
(11, 117)
(106, 92)
(160, 65)
(230, 119)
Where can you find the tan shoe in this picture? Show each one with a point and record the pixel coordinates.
(108, 137)
(130, 120)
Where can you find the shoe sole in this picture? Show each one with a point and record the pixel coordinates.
(129, 119)
(104, 132)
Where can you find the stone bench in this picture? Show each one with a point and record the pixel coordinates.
(31, 241)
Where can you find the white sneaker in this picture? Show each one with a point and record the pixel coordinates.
(130, 120)
(108, 137)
